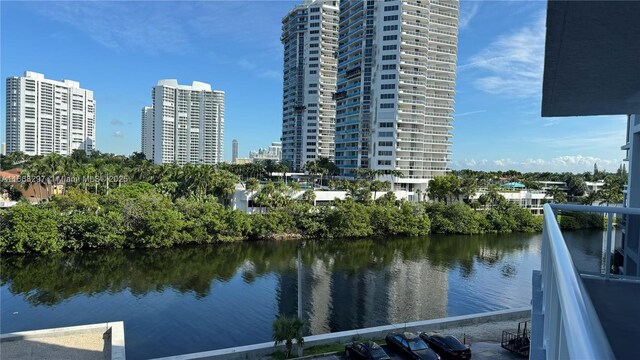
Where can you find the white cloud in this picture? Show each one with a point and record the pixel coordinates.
(259, 70)
(595, 140)
(564, 163)
(468, 10)
(512, 65)
(469, 113)
(168, 27)
(119, 25)
(503, 162)
(271, 74)
(118, 133)
(534, 162)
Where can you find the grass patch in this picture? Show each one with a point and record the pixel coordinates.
(321, 349)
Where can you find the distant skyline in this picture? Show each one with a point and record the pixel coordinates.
(121, 49)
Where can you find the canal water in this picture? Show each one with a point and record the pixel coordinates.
(182, 300)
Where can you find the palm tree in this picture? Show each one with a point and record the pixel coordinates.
(558, 195)
(312, 168)
(309, 196)
(53, 167)
(34, 169)
(330, 167)
(493, 196)
(469, 187)
(590, 198)
(377, 185)
(15, 158)
(282, 168)
(265, 196)
(392, 173)
(294, 187)
(285, 330)
(611, 192)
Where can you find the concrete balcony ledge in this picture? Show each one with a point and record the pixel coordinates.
(263, 349)
(95, 341)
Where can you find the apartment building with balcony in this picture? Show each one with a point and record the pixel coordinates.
(184, 125)
(147, 132)
(591, 69)
(234, 151)
(310, 40)
(396, 86)
(47, 116)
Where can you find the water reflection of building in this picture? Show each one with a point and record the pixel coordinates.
(418, 291)
(336, 299)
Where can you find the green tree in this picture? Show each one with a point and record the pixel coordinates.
(150, 221)
(252, 185)
(611, 192)
(559, 197)
(590, 198)
(203, 219)
(76, 200)
(388, 199)
(469, 187)
(309, 196)
(285, 330)
(444, 188)
(26, 228)
(349, 219)
(294, 187)
(87, 230)
(13, 160)
(576, 185)
(377, 185)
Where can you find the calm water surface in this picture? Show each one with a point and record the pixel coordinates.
(182, 300)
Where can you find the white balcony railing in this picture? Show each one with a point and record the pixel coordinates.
(570, 325)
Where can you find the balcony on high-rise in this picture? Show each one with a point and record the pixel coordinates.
(592, 67)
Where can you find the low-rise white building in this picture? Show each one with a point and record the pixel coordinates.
(528, 199)
(243, 199)
(548, 185)
(593, 186)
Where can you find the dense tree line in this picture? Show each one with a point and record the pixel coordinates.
(139, 216)
(463, 183)
(136, 204)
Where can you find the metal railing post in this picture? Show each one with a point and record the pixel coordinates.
(607, 259)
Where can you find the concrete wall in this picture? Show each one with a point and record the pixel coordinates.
(259, 350)
(114, 331)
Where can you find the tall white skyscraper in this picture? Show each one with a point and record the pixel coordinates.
(47, 116)
(310, 39)
(396, 85)
(186, 124)
(234, 151)
(147, 132)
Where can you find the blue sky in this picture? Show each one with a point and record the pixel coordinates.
(121, 49)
